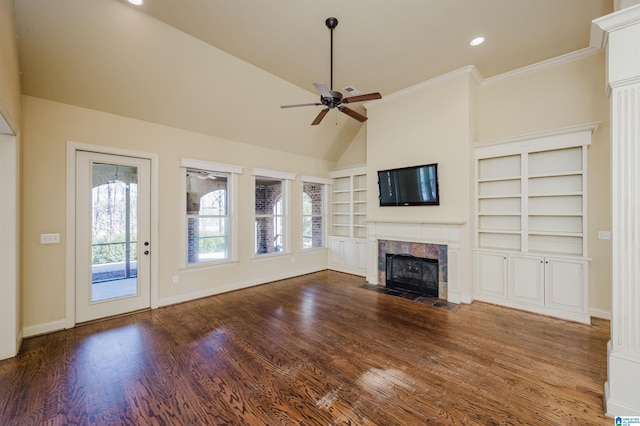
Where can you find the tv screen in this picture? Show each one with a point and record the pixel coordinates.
(409, 186)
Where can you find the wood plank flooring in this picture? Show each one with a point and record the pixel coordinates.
(312, 350)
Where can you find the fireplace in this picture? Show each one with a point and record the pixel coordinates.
(412, 273)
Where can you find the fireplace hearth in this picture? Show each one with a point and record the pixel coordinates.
(415, 274)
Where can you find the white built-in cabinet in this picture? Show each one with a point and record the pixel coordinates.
(531, 223)
(348, 217)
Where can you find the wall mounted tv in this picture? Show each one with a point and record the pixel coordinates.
(409, 186)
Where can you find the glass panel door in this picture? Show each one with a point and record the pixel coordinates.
(113, 205)
(114, 216)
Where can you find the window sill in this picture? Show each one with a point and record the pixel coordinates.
(266, 256)
(314, 250)
(208, 265)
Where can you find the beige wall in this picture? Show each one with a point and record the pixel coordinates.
(356, 152)
(429, 123)
(49, 125)
(423, 125)
(436, 122)
(566, 94)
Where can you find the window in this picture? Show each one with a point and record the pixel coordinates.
(270, 216)
(210, 225)
(313, 215)
(207, 216)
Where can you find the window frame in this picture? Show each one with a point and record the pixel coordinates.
(285, 180)
(325, 206)
(231, 172)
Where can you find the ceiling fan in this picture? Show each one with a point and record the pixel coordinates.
(332, 98)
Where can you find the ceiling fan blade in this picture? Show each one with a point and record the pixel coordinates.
(320, 116)
(360, 98)
(300, 105)
(351, 113)
(324, 90)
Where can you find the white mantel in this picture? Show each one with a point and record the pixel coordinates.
(449, 233)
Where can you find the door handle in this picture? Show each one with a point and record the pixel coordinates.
(146, 252)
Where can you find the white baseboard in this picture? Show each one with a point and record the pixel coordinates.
(49, 327)
(234, 286)
(600, 313)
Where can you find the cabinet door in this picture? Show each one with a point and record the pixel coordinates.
(349, 253)
(491, 274)
(335, 252)
(526, 279)
(361, 257)
(566, 284)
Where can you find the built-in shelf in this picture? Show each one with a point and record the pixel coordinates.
(531, 223)
(348, 229)
(349, 203)
(533, 194)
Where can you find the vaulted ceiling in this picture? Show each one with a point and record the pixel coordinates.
(177, 62)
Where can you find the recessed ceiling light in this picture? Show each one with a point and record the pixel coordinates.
(136, 2)
(476, 41)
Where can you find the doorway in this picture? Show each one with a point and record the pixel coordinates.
(112, 235)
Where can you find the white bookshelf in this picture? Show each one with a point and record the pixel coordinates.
(349, 203)
(348, 228)
(531, 222)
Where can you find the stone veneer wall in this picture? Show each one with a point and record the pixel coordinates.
(427, 251)
(267, 194)
(315, 193)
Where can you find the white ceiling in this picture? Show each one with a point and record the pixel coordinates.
(70, 51)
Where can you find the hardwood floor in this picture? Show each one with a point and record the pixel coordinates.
(313, 350)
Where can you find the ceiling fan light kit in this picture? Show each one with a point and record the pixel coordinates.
(330, 98)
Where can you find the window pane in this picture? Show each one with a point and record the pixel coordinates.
(312, 231)
(207, 239)
(207, 216)
(313, 215)
(207, 193)
(312, 198)
(268, 194)
(269, 236)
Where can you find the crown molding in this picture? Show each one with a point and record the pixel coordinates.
(590, 127)
(601, 27)
(469, 70)
(539, 66)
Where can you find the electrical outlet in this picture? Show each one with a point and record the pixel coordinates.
(176, 279)
(604, 235)
(49, 238)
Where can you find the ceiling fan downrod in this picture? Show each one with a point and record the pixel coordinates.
(331, 23)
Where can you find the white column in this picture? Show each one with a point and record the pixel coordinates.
(620, 34)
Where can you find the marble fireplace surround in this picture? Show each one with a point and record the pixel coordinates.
(429, 240)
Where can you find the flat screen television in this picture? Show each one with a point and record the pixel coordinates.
(409, 186)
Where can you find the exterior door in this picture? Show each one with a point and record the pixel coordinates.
(113, 207)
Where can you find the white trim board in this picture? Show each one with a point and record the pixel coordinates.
(539, 66)
(167, 301)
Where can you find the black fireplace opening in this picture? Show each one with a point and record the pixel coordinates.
(411, 273)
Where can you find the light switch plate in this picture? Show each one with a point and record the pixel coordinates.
(604, 235)
(49, 238)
